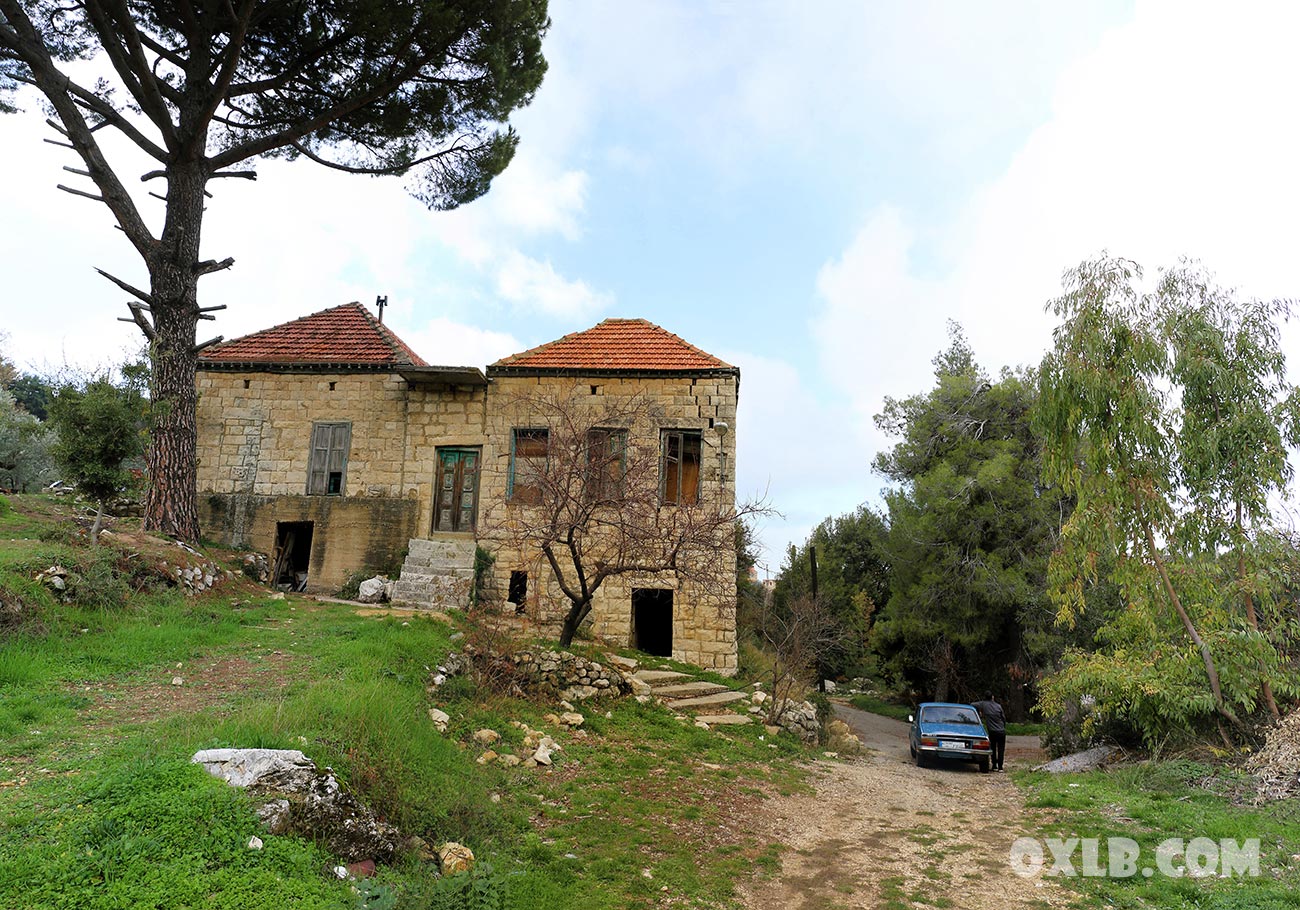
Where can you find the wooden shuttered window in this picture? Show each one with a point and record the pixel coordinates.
(679, 469)
(329, 458)
(528, 451)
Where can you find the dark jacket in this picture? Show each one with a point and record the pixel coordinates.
(991, 711)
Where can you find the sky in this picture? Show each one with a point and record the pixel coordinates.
(809, 191)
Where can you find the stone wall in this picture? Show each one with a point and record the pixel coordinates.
(349, 533)
(255, 430)
(704, 622)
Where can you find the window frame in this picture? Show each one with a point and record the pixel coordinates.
(332, 447)
(602, 484)
(513, 488)
(681, 434)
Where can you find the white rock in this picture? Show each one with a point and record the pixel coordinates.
(440, 719)
(254, 843)
(486, 737)
(245, 767)
(177, 681)
(371, 591)
(543, 755)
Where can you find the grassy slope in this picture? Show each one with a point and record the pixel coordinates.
(1152, 803)
(99, 806)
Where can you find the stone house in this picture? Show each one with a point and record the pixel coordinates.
(331, 445)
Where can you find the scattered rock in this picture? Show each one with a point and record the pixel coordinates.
(623, 663)
(487, 757)
(509, 761)
(543, 755)
(454, 857)
(363, 869)
(571, 719)
(177, 681)
(440, 719)
(486, 737)
(254, 843)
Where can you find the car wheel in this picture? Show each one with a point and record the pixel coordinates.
(984, 765)
(920, 758)
(911, 750)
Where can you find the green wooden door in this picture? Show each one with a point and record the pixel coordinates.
(456, 490)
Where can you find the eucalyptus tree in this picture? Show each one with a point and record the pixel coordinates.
(204, 89)
(1166, 414)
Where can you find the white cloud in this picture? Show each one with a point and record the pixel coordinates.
(529, 283)
(1171, 138)
(444, 342)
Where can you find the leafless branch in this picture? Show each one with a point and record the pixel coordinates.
(68, 189)
(133, 291)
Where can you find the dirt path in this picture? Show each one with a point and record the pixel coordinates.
(881, 833)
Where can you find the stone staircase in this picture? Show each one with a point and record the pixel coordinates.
(437, 574)
(710, 704)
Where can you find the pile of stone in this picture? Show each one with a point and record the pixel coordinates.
(298, 798)
(1276, 766)
(537, 748)
(257, 566)
(799, 718)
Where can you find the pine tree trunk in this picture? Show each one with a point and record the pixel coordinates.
(172, 503)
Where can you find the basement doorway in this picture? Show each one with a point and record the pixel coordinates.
(292, 555)
(652, 621)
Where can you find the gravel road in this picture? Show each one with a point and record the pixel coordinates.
(880, 832)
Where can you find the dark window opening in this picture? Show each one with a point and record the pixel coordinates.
(329, 458)
(331, 387)
(517, 593)
(292, 555)
(679, 470)
(606, 463)
(247, 383)
(652, 621)
(528, 450)
(595, 390)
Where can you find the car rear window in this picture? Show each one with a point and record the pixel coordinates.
(945, 714)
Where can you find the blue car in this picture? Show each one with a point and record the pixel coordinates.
(949, 730)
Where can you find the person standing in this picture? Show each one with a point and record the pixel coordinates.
(996, 723)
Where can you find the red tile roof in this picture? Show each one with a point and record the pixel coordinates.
(617, 344)
(347, 335)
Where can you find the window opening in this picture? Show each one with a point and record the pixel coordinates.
(528, 449)
(329, 457)
(652, 621)
(680, 467)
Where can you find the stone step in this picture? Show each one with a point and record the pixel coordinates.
(456, 548)
(708, 701)
(719, 720)
(682, 690)
(654, 676)
(424, 573)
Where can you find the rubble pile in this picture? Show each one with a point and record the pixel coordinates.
(1276, 766)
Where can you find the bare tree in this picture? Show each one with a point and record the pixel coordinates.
(799, 637)
(588, 494)
(204, 90)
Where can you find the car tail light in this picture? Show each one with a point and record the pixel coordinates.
(929, 741)
(982, 744)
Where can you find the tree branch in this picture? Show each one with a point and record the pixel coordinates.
(208, 266)
(133, 291)
(209, 343)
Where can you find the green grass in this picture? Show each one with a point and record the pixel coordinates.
(100, 807)
(878, 706)
(1177, 799)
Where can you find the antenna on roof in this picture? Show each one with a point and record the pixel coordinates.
(380, 303)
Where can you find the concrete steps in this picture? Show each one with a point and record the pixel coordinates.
(438, 573)
(696, 697)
